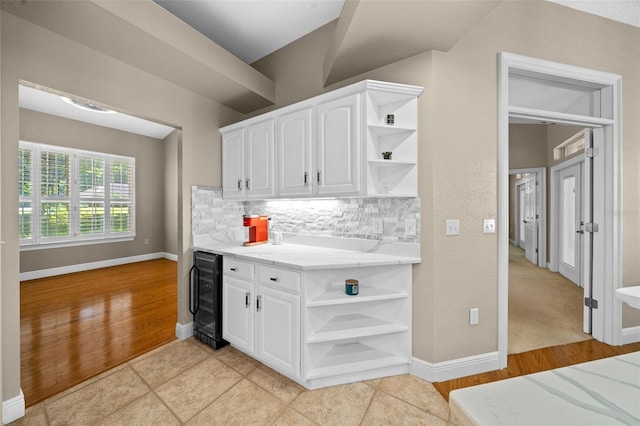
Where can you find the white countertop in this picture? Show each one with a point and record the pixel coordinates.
(298, 253)
(603, 392)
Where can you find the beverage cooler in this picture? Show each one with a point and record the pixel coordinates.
(205, 298)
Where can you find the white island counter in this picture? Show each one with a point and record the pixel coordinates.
(603, 392)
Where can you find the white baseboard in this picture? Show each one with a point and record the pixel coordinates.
(170, 256)
(456, 368)
(13, 409)
(43, 273)
(630, 335)
(185, 331)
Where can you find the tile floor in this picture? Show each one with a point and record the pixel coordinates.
(186, 382)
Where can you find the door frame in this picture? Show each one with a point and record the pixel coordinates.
(607, 326)
(541, 177)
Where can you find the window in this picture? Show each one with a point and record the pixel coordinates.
(569, 147)
(71, 196)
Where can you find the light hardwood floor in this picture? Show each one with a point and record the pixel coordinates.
(76, 326)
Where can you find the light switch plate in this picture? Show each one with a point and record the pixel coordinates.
(489, 226)
(474, 316)
(453, 227)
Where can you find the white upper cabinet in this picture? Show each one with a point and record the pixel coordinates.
(337, 147)
(233, 164)
(259, 160)
(248, 162)
(293, 146)
(329, 145)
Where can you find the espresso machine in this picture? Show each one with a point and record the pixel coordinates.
(258, 229)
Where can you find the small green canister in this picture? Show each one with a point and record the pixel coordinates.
(351, 287)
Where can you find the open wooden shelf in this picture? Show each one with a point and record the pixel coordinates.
(354, 325)
(351, 357)
(337, 296)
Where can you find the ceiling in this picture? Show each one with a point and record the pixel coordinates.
(252, 29)
(368, 34)
(50, 103)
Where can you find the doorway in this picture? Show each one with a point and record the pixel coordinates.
(601, 94)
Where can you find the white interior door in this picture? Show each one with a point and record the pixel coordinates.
(521, 220)
(570, 222)
(530, 208)
(593, 139)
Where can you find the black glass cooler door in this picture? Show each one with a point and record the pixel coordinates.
(205, 283)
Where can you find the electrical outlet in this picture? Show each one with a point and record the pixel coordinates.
(453, 227)
(146, 241)
(410, 227)
(473, 316)
(377, 226)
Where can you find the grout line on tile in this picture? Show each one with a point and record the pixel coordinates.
(414, 405)
(373, 397)
(170, 410)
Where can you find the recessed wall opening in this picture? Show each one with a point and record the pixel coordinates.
(65, 309)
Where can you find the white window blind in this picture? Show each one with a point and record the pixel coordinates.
(71, 196)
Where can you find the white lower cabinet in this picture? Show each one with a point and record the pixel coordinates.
(261, 313)
(303, 324)
(237, 313)
(278, 330)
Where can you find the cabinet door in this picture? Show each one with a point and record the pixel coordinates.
(337, 146)
(237, 313)
(293, 145)
(259, 159)
(233, 165)
(278, 329)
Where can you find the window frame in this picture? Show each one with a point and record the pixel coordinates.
(76, 237)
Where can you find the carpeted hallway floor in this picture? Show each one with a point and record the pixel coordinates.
(545, 308)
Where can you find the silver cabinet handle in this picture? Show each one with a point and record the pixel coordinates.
(258, 299)
(318, 176)
(306, 178)
(247, 295)
(273, 279)
(247, 184)
(239, 184)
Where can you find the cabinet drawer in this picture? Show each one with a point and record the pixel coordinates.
(279, 278)
(238, 268)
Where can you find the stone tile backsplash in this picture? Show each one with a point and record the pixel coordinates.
(339, 217)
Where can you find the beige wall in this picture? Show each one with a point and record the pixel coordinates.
(148, 152)
(457, 154)
(458, 151)
(466, 78)
(527, 146)
(39, 56)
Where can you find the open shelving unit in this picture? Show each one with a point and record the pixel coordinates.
(397, 176)
(363, 334)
